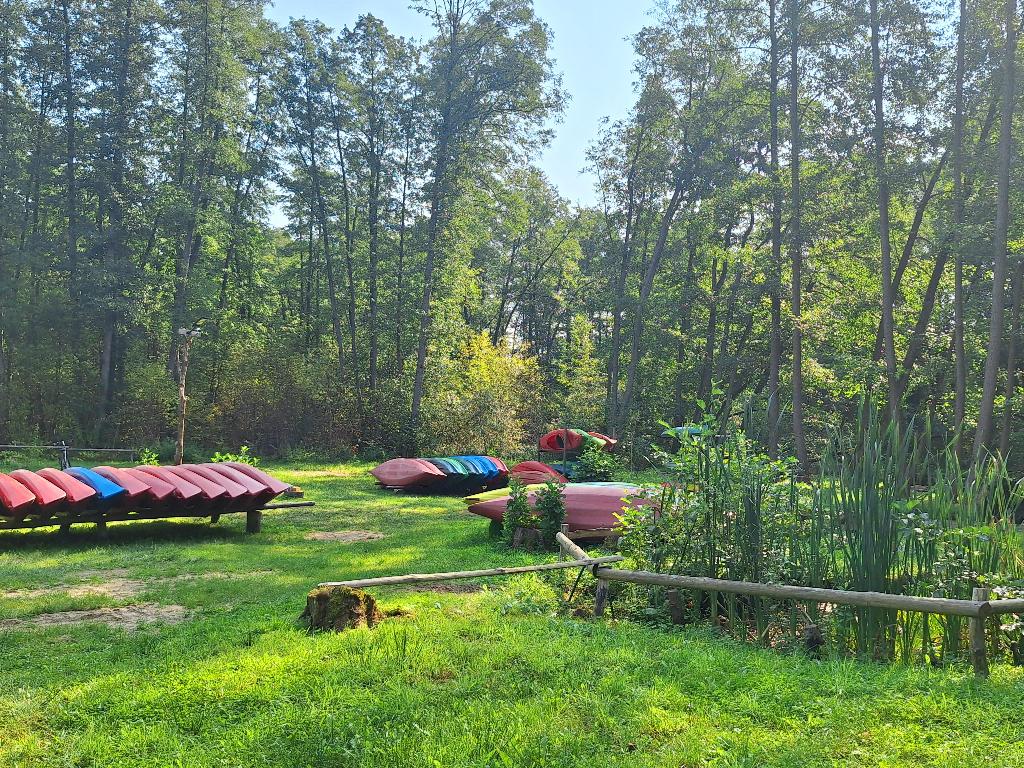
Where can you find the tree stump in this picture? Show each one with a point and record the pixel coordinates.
(336, 609)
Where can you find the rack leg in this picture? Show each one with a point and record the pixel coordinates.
(254, 521)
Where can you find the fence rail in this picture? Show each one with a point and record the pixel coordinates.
(978, 609)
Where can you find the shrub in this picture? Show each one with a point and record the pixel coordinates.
(244, 456)
(517, 512)
(597, 465)
(551, 511)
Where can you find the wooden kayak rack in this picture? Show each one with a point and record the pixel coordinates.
(253, 517)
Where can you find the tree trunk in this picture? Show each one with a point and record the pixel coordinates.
(775, 278)
(796, 236)
(645, 291)
(882, 174)
(983, 436)
(959, 351)
(1011, 359)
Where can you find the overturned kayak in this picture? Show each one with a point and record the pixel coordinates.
(406, 473)
(537, 472)
(588, 506)
(49, 498)
(15, 499)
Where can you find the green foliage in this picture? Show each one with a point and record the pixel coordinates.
(595, 464)
(244, 456)
(149, 457)
(550, 509)
(517, 512)
(884, 514)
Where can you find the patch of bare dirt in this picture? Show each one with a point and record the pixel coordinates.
(126, 617)
(344, 537)
(117, 588)
(447, 588)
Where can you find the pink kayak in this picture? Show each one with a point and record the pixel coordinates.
(238, 495)
(15, 499)
(529, 472)
(272, 483)
(405, 473)
(587, 506)
(260, 492)
(184, 491)
(49, 498)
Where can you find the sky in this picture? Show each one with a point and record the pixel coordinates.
(590, 49)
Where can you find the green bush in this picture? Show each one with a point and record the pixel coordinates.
(517, 512)
(597, 465)
(244, 456)
(551, 511)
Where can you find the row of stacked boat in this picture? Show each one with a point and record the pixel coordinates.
(199, 489)
(452, 474)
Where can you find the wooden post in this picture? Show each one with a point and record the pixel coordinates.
(600, 597)
(101, 530)
(675, 606)
(254, 521)
(979, 652)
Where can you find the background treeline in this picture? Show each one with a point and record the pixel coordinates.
(808, 201)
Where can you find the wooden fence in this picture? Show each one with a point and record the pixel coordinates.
(977, 610)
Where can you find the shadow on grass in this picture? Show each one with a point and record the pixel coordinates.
(85, 535)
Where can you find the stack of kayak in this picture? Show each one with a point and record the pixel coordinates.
(574, 440)
(190, 489)
(562, 448)
(453, 474)
(588, 506)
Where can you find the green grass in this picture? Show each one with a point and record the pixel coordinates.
(485, 679)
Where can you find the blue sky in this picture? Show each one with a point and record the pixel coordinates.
(590, 48)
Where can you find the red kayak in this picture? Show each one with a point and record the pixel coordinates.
(15, 499)
(237, 495)
(136, 492)
(272, 483)
(610, 442)
(185, 492)
(259, 492)
(159, 491)
(406, 473)
(212, 495)
(587, 506)
(530, 472)
(79, 494)
(49, 497)
(561, 439)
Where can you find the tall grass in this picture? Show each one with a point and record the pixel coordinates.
(885, 513)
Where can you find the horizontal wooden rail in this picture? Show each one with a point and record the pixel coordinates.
(426, 578)
(977, 609)
(941, 605)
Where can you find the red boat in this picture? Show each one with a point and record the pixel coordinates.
(561, 439)
(259, 475)
(78, 493)
(15, 499)
(237, 496)
(212, 494)
(406, 473)
(184, 491)
(136, 491)
(49, 497)
(588, 506)
(530, 472)
(159, 491)
(259, 492)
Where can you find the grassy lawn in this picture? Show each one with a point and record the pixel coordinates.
(465, 679)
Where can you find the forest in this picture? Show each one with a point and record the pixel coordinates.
(810, 202)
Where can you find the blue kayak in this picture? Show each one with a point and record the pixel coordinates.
(487, 467)
(106, 490)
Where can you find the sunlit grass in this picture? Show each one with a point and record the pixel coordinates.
(491, 678)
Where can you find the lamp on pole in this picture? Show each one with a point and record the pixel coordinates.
(186, 338)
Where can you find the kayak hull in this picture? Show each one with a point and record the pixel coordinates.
(587, 507)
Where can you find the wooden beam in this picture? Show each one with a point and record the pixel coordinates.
(426, 578)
